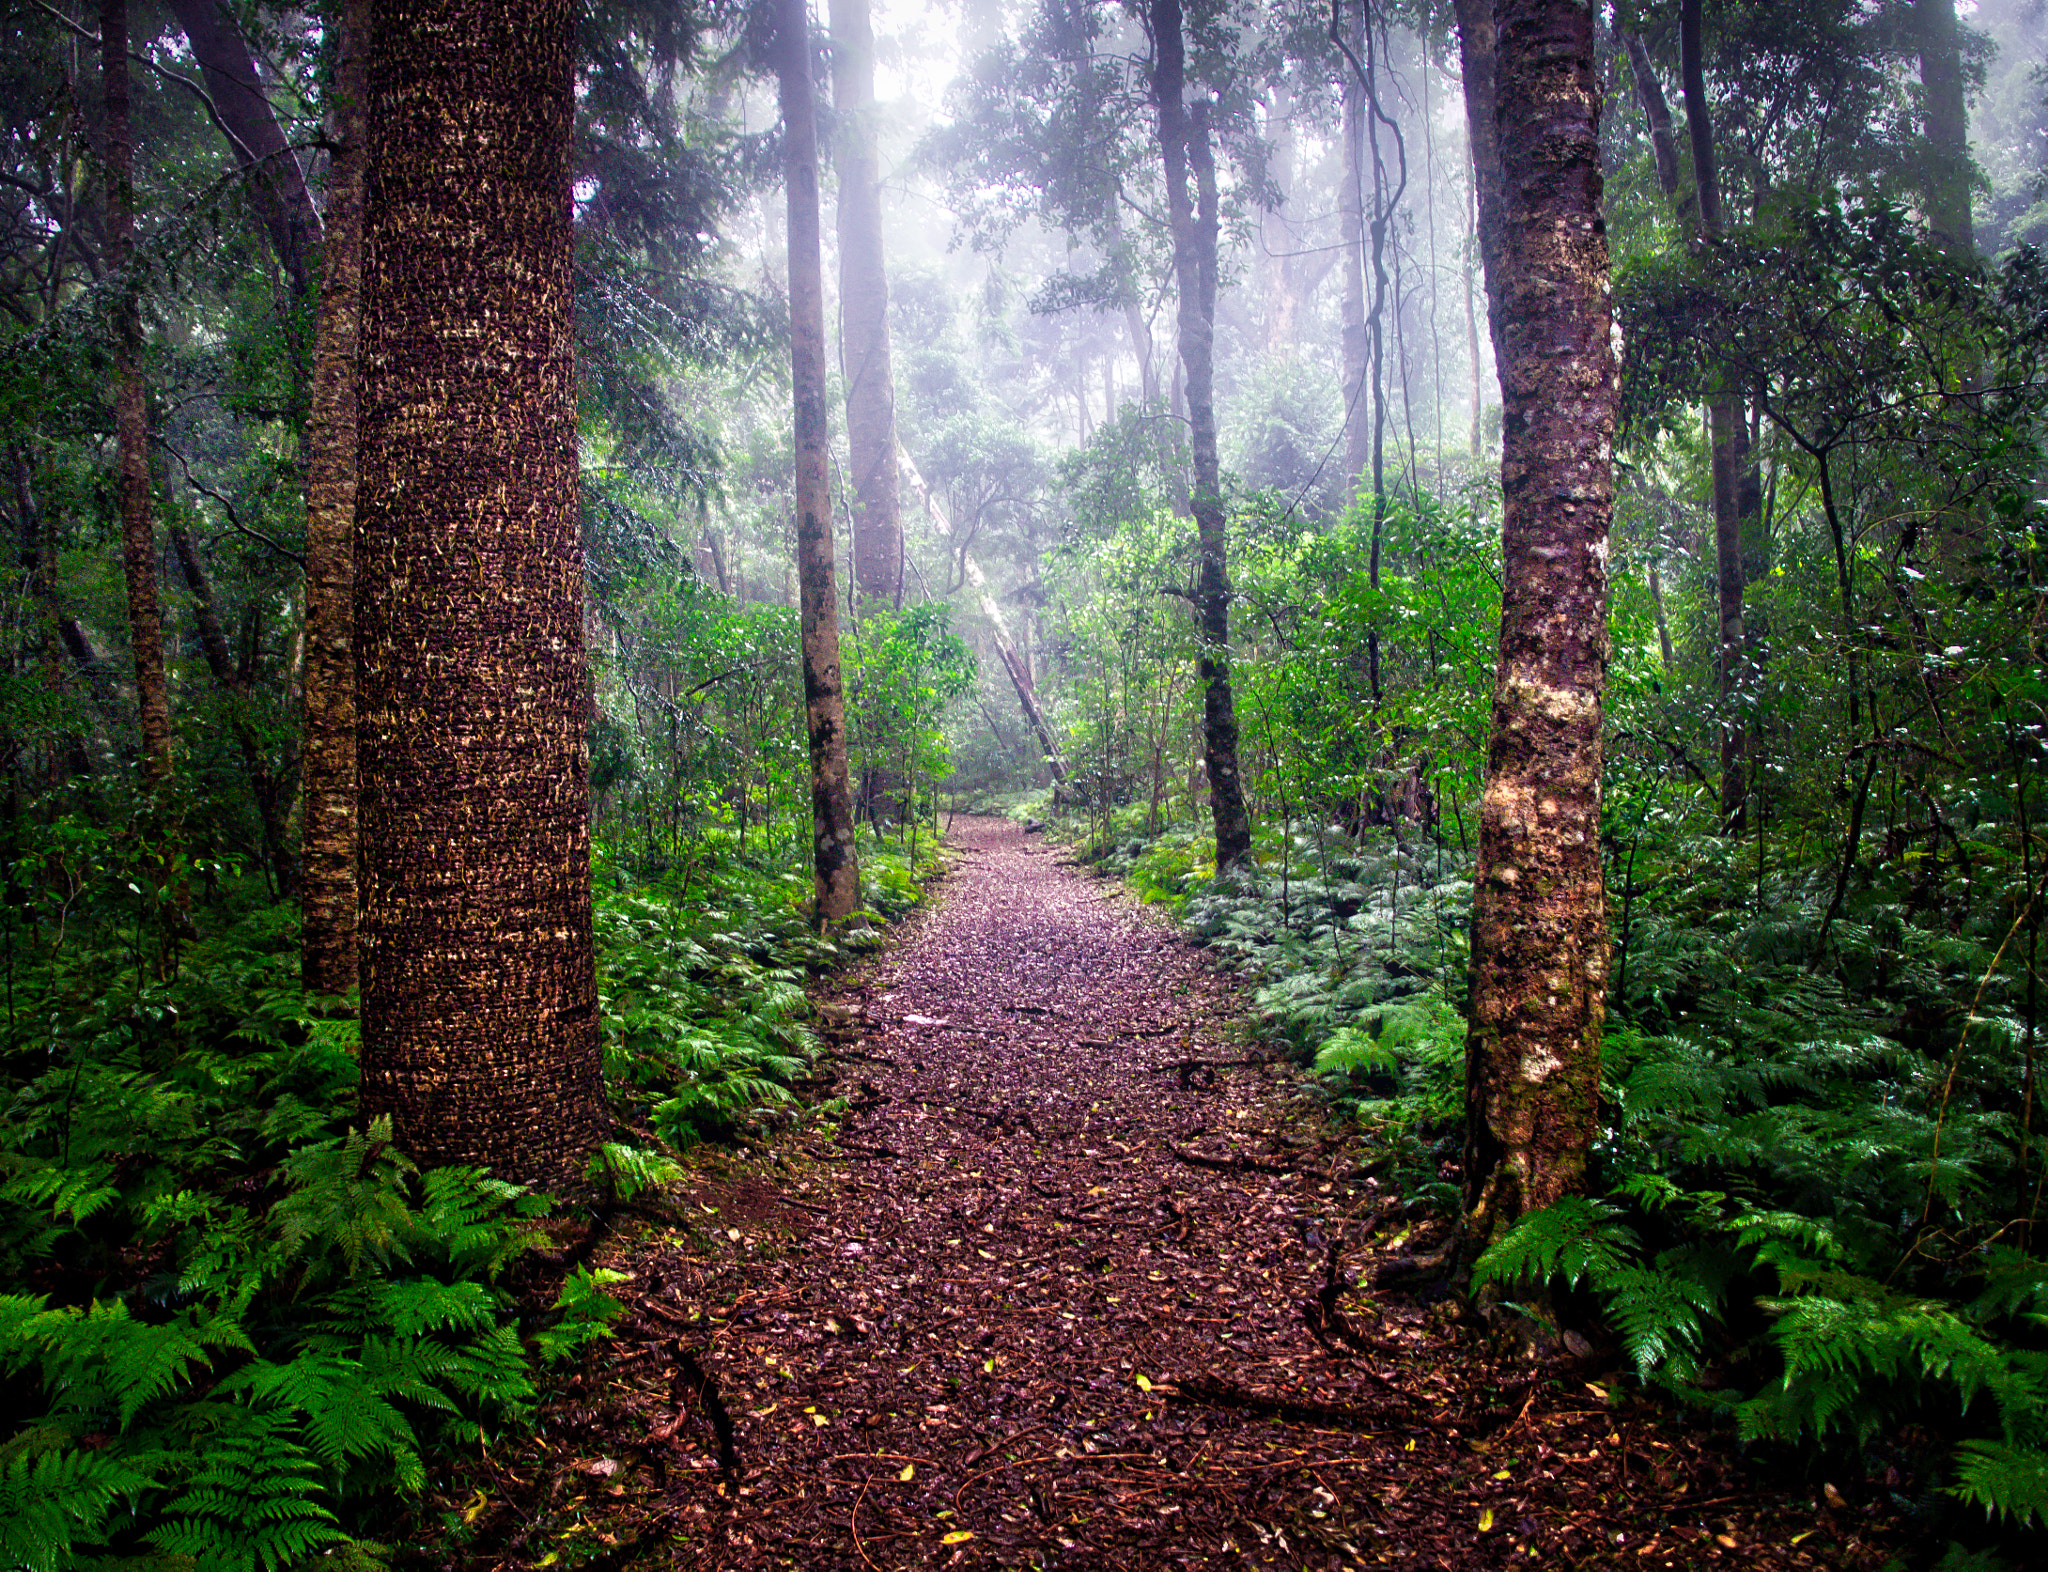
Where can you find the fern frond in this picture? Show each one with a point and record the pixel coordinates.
(1575, 1238)
(2013, 1281)
(1660, 1314)
(346, 1196)
(101, 1358)
(628, 1170)
(56, 1500)
(251, 1501)
(2006, 1481)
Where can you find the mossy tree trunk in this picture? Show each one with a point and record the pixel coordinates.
(835, 872)
(479, 995)
(1539, 922)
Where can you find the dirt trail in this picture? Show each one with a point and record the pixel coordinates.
(1052, 1299)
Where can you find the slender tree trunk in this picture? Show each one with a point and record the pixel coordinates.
(131, 417)
(327, 904)
(1539, 922)
(1351, 247)
(864, 314)
(1726, 436)
(479, 991)
(1949, 168)
(1185, 147)
(1477, 66)
(1282, 280)
(836, 875)
(1478, 438)
(1663, 141)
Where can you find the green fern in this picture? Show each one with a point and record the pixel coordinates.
(56, 1501)
(1575, 1238)
(2006, 1481)
(346, 1196)
(585, 1313)
(625, 1171)
(250, 1502)
(1661, 1315)
(100, 1361)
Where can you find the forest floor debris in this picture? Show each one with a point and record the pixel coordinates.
(1061, 1293)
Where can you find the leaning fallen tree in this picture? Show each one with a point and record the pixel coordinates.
(1006, 647)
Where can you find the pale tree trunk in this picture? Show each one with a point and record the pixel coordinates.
(864, 315)
(327, 896)
(1539, 920)
(480, 1033)
(1728, 442)
(1014, 661)
(1946, 189)
(1280, 266)
(1351, 252)
(1477, 68)
(1185, 149)
(131, 417)
(835, 872)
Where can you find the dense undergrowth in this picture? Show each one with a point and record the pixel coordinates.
(242, 1326)
(1814, 1202)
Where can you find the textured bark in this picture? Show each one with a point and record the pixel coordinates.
(278, 181)
(1946, 188)
(1014, 663)
(864, 314)
(835, 873)
(1539, 931)
(131, 417)
(479, 992)
(1185, 148)
(328, 897)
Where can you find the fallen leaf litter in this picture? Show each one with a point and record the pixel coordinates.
(1072, 1288)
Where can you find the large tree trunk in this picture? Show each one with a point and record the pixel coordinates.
(327, 900)
(1539, 919)
(835, 872)
(1727, 437)
(131, 416)
(479, 992)
(1185, 148)
(1946, 189)
(283, 203)
(864, 315)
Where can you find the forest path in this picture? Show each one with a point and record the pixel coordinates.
(1051, 1300)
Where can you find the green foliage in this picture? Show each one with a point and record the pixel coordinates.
(584, 1313)
(246, 1326)
(625, 1171)
(703, 1029)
